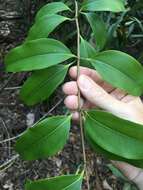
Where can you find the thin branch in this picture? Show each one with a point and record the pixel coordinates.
(5, 85)
(8, 162)
(79, 96)
(13, 88)
(8, 135)
(52, 109)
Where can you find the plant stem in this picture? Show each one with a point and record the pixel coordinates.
(79, 95)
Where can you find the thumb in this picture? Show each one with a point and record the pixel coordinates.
(98, 96)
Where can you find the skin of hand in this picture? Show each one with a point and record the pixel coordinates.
(97, 93)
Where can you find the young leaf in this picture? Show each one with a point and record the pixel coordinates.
(118, 136)
(99, 29)
(44, 26)
(44, 139)
(103, 5)
(86, 51)
(42, 84)
(37, 54)
(67, 182)
(121, 70)
(51, 8)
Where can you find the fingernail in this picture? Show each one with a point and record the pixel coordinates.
(83, 82)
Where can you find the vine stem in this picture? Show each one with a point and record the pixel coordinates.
(79, 95)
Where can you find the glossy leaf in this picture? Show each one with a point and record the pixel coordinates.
(69, 182)
(121, 70)
(103, 5)
(86, 51)
(51, 8)
(99, 29)
(37, 54)
(44, 26)
(45, 139)
(42, 84)
(111, 156)
(118, 136)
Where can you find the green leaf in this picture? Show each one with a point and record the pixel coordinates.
(121, 70)
(86, 51)
(45, 139)
(44, 26)
(42, 84)
(67, 182)
(37, 54)
(51, 8)
(99, 29)
(111, 156)
(118, 136)
(103, 5)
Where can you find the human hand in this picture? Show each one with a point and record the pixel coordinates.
(97, 93)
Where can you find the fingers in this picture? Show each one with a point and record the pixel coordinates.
(85, 71)
(118, 94)
(128, 170)
(72, 102)
(70, 88)
(93, 74)
(98, 96)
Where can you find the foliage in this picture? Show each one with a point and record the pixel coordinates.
(42, 55)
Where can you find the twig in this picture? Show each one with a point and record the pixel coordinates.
(52, 109)
(5, 127)
(79, 95)
(8, 80)
(10, 139)
(13, 88)
(9, 161)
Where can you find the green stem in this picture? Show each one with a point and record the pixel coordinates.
(79, 95)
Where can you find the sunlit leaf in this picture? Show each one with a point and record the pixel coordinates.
(45, 139)
(42, 84)
(51, 8)
(44, 26)
(121, 70)
(118, 136)
(99, 29)
(37, 54)
(103, 5)
(67, 182)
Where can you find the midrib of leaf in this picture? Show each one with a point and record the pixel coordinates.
(114, 68)
(44, 136)
(114, 131)
(73, 183)
(42, 54)
(44, 83)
